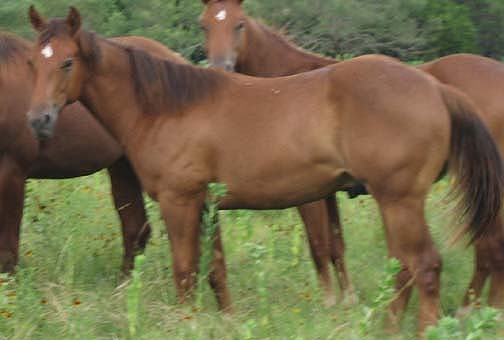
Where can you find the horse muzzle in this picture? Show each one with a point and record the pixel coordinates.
(42, 122)
(223, 64)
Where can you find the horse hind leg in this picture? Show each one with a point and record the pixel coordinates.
(481, 273)
(128, 201)
(496, 251)
(337, 253)
(489, 263)
(409, 241)
(12, 189)
(315, 219)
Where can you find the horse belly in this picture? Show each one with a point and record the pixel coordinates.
(285, 188)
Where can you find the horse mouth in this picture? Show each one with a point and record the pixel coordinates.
(42, 132)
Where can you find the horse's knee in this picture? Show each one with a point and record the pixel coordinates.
(217, 278)
(320, 254)
(337, 246)
(428, 273)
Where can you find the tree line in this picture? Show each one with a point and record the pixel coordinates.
(406, 29)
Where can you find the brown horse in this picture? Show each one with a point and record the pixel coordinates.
(371, 120)
(240, 43)
(92, 149)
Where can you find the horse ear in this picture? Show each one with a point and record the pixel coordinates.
(73, 20)
(37, 21)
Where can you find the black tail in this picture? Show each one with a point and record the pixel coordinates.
(475, 159)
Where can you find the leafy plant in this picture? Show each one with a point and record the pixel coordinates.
(133, 295)
(384, 296)
(209, 226)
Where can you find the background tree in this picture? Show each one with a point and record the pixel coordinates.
(407, 29)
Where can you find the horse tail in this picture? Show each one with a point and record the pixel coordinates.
(476, 162)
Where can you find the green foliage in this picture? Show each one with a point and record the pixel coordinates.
(488, 17)
(385, 295)
(209, 225)
(133, 295)
(483, 324)
(407, 29)
(451, 28)
(67, 286)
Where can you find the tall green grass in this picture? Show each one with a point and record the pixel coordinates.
(68, 284)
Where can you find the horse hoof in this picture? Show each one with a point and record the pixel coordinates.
(330, 301)
(463, 312)
(350, 298)
(392, 324)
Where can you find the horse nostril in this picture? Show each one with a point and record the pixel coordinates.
(34, 123)
(46, 118)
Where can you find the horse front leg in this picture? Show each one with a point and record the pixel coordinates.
(12, 190)
(128, 201)
(218, 273)
(182, 215)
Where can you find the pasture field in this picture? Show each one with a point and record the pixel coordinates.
(68, 284)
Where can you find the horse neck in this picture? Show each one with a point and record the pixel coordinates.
(109, 94)
(269, 55)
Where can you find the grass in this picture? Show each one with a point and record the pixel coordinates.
(68, 284)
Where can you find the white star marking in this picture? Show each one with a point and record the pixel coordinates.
(221, 16)
(47, 51)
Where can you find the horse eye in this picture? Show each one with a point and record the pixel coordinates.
(30, 63)
(67, 65)
(204, 28)
(240, 26)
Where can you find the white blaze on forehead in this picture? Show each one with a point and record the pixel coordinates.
(222, 15)
(47, 51)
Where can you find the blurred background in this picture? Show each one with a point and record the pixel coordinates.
(412, 30)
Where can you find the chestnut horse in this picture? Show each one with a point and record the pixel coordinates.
(63, 156)
(371, 120)
(235, 41)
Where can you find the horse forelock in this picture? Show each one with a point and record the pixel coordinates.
(54, 28)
